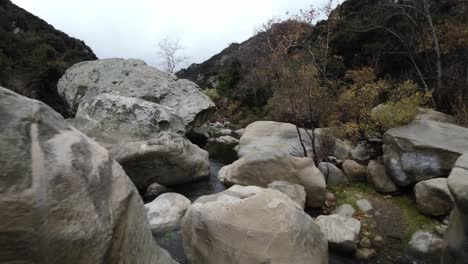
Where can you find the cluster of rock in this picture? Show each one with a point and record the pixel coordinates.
(64, 199)
(141, 115)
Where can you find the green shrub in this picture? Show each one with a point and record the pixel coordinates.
(213, 94)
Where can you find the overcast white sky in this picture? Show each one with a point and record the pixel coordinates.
(132, 29)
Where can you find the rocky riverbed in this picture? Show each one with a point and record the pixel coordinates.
(254, 195)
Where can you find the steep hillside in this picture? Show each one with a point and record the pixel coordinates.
(34, 55)
(395, 41)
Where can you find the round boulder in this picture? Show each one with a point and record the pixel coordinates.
(333, 175)
(166, 212)
(251, 225)
(433, 197)
(377, 176)
(262, 168)
(354, 171)
(341, 232)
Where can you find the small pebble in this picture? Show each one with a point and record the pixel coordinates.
(378, 241)
(365, 243)
(364, 253)
(441, 229)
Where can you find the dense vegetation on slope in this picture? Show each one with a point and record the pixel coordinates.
(367, 52)
(34, 55)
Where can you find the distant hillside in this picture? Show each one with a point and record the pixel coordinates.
(353, 45)
(34, 55)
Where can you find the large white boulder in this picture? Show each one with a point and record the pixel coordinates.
(275, 136)
(270, 136)
(456, 238)
(165, 212)
(63, 198)
(134, 78)
(261, 168)
(147, 139)
(251, 225)
(341, 232)
(112, 119)
(423, 150)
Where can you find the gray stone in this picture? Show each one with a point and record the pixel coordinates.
(222, 148)
(361, 153)
(365, 254)
(333, 175)
(294, 191)
(168, 159)
(365, 243)
(344, 210)
(429, 114)
(341, 232)
(225, 132)
(377, 176)
(423, 150)
(433, 197)
(262, 168)
(354, 171)
(220, 229)
(328, 145)
(154, 190)
(378, 241)
(63, 198)
(424, 243)
(441, 229)
(364, 205)
(166, 212)
(134, 78)
(143, 136)
(456, 238)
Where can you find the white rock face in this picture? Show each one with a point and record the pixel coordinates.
(63, 198)
(341, 232)
(134, 78)
(423, 150)
(168, 160)
(262, 168)
(433, 197)
(220, 229)
(272, 137)
(165, 212)
(113, 119)
(294, 191)
(275, 136)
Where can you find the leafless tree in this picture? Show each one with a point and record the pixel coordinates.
(171, 54)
